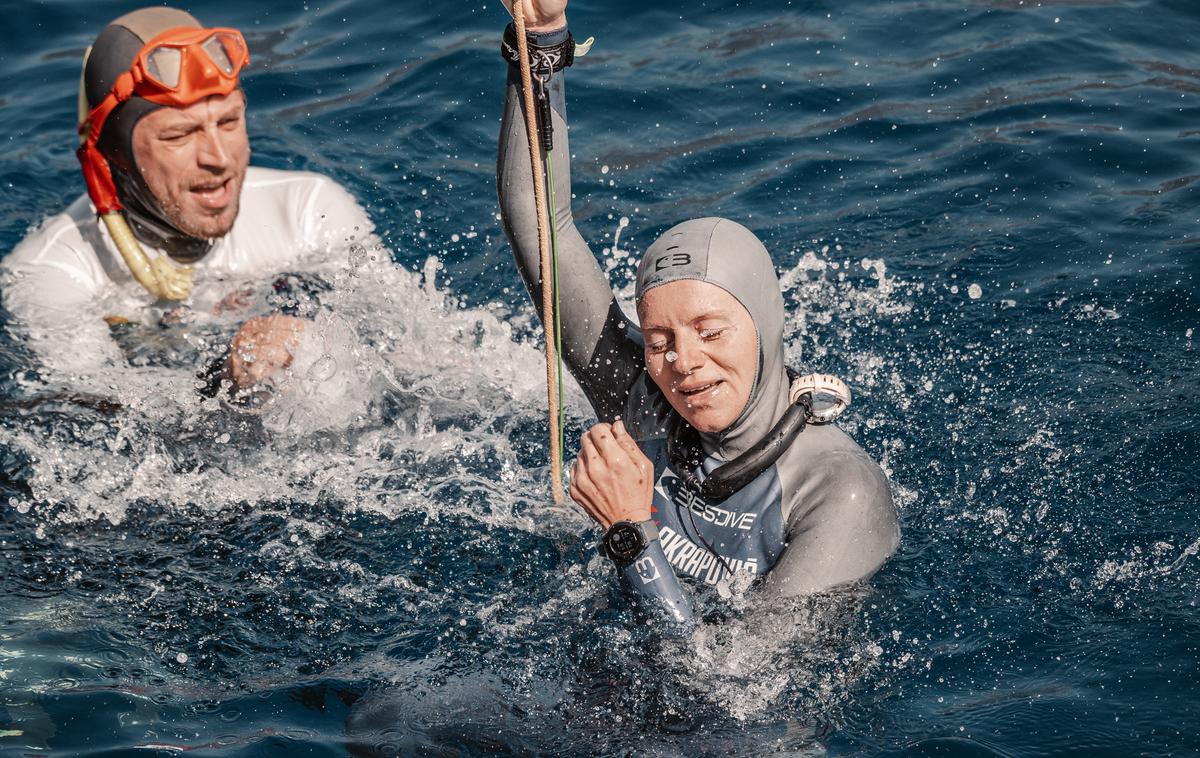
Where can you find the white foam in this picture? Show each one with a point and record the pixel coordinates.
(461, 377)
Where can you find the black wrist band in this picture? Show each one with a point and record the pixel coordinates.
(544, 60)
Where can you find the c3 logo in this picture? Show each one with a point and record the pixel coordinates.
(674, 259)
(647, 569)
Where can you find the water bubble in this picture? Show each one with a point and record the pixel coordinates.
(323, 369)
(604, 169)
(672, 356)
(974, 292)
(182, 658)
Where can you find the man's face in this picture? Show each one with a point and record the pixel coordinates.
(701, 350)
(194, 161)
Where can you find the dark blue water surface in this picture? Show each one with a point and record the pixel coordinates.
(986, 217)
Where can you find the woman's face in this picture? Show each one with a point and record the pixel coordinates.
(701, 350)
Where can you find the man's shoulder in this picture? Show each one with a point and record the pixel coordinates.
(263, 179)
(291, 193)
(285, 215)
(824, 465)
(64, 235)
(60, 263)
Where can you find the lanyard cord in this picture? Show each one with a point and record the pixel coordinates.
(557, 303)
(708, 545)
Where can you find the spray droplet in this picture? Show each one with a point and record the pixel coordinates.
(182, 658)
(358, 257)
(974, 292)
(672, 356)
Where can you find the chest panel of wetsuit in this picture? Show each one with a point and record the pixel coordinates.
(746, 528)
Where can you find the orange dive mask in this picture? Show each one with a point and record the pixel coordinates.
(177, 68)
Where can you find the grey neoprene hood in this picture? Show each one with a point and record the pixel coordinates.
(725, 253)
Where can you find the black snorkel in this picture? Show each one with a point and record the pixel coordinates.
(684, 450)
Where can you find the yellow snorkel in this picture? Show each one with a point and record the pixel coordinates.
(159, 276)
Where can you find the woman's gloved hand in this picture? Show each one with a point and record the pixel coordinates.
(612, 479)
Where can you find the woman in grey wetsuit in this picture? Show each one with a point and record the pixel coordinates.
(707, 365)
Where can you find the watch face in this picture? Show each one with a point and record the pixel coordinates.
(624, 541)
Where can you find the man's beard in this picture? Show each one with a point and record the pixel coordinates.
(204, 226)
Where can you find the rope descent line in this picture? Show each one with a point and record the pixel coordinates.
(548, 278)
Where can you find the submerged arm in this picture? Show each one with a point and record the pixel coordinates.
(601, 349)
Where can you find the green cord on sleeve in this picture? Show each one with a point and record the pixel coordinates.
(562, 436)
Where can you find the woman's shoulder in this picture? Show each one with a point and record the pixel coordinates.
(826, 469)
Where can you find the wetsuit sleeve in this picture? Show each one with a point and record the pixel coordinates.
(847, 530)
(650, 576)
(600, 346)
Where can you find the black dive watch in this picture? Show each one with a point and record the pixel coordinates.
(625, 540)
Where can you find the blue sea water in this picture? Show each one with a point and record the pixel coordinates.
(986, 218)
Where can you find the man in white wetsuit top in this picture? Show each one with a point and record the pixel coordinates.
(700, 384)
(174, 214)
